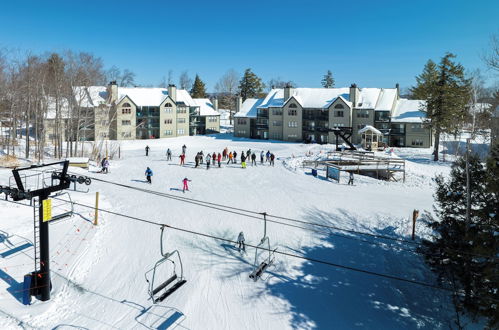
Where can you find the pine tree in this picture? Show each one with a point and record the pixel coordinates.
(447, 94)
(328, 80)
(463, 253)
(250, 85)
(198, 90)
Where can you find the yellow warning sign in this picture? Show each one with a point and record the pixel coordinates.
(47, 210)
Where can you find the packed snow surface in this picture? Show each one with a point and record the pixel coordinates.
(98, 271)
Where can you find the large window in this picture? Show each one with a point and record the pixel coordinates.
(291, 112)
(417, 128)
(126, 111)
(293, 106)
(338, 113)
(360, 126)
(362, 114)
(277, 112)
(168, 110)
(241, 121)
(168, 121)
(126, 122)
(180, 131)
(168, 105)
(417, 142)
(181, 110)
(181, 120)
(168, 132)
(277, 123)
(292, 124)
(339, 106)
(212, 119)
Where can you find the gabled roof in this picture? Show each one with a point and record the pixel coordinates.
(409, 111)
(387, 99)
(91, 96)
(368, 98)
(370, 128)
(249, 108)
(307, 97)
(339, 98)
(206, 108)
(151, 96)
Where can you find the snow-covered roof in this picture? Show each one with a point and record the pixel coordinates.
(249, 108)
(368, 98)
(307, 97)
(151, 96)
(206, 108)
(91, 96)
(387, 99)
(51, 108)
(370, 128)
(408, 111)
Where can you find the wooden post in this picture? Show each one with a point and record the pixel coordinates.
(119, 152)
(106, 150)
(96, 215)
(415, 215)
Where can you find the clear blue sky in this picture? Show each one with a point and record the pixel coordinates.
(372, 43)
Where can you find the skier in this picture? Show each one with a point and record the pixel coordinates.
(230, 158)
(234, 157)
(243, 160)
(224, 154)
(201, 156)
(168, 154)
(182, 159)
(186, 186)
(183, 149)
(219, 159)
(240, 241)
(272, 157)
(253, 159)
(214, 158)
(248, 154)
(261, 157)
(208, 159)
(350, 179)
(148, 175)
(267, 155)
(147, 150)
(196, 159)
(105, 165)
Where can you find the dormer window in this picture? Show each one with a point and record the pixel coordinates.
(292, 105)
(168, 105)
(126, 105)
(126, 108)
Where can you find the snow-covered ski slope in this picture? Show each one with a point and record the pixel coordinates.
(98, 271)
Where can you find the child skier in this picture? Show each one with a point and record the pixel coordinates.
(105, 165)
(219, 159)
(148, 175)
(182, 158)
(168, 154)
(208, 159)
(240, 241)
(186, 186)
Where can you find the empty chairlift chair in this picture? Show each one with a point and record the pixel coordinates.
(161, 271)
(265, 263)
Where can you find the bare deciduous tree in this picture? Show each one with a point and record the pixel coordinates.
(184, 81)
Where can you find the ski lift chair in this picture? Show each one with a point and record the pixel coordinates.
(265, 263)
(154, 275)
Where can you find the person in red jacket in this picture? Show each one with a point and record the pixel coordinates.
(214, 158)
(219, 159)
(186, 185)
(182, 158)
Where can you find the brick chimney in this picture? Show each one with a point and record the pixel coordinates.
(112, 92)
(172, 92)
(354, 95)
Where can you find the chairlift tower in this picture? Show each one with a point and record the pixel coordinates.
(40, 284)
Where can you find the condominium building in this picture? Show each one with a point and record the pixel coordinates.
(123, 113)
(309, 114)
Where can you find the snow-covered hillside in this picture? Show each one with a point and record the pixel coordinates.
(98, 271)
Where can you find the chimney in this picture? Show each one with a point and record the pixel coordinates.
(397, 86)
(215, 103)
(287, 92)
(172, 92)
(354, 95)
(112, 91)
(239, 103)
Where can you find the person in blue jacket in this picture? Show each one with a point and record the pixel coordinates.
(148, 175)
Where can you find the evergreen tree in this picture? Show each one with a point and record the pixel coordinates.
(463, 252)
(250, 85)
(198, 89)
(447, 94)
(328, 80)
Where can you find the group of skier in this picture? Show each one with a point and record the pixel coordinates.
(231, 158)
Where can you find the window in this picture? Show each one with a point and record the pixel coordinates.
(168, 110)
(168, 105)
(338, 113)
(277, 123)
(126, 111)
(339, 106)
(126, 134)
(241, 132)
(180, 131)
(292, 136)
(168, 121)
(168, 132)
(360, 126)
(338, 125)
(212, 119)
(181, 110)
(181, 120)
(276, 136)
(292, 112)
(277, 112)
(362, 114)
(292, 124)
(126, 122)
(126, 105)
(241, 121)
(417, 142)
(293, 106)
(417, 128)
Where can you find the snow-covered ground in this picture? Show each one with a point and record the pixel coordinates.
(98, 271)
